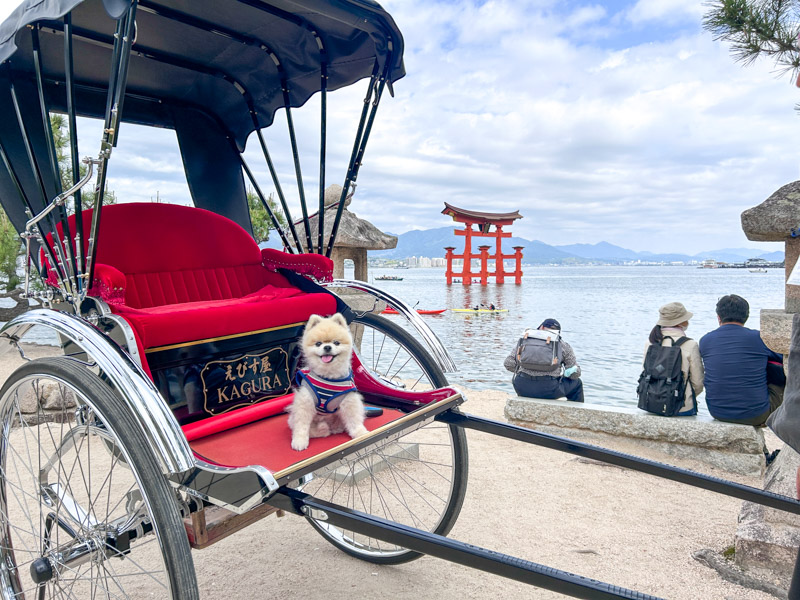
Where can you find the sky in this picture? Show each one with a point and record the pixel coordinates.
(617, 121)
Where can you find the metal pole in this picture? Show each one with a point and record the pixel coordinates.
(73, 143)
(706, 482)
(70, 267)
(451, 550)
(57, 253)
(10, 168)
(277, 183)
(353, 154)
(355, 161)
(266, 205)
(322, 142)
(297, 173)
(121, 54)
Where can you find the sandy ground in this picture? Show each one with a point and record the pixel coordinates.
(602, 522)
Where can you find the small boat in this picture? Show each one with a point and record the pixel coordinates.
(758, 270)
(479, 310)
(388, 278)
(390, 311)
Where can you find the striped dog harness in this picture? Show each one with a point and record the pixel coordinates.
(328, 392)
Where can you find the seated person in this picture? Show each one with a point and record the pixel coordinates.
(552, 383)
(736, 364)
(673, 320)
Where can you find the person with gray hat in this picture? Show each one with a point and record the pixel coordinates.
(562, 380)
(673, 320)
(737, 364)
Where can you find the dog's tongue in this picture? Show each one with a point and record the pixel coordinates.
(327, 358)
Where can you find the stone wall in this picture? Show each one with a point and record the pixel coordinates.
(767, 539)
(733, 448)
(45, 403)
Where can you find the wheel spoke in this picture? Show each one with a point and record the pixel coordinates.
(417, 480)
(95, 477)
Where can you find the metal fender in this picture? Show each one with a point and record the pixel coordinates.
(125, 376)
(438, 351)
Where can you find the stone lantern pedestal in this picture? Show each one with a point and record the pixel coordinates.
(767, 539)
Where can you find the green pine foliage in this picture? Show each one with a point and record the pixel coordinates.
(756, 28)
(262, 223)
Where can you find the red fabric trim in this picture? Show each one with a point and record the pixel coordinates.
(369, 386)
(316, 265)
(108, 285)
(237, 418)
(191, 321)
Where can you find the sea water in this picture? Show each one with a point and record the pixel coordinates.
(606, 313)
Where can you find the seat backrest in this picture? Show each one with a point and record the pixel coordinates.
(172, 254)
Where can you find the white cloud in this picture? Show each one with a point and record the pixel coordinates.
(627, 125)
(665, 11)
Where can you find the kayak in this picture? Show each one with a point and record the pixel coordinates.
(390, 311)
(480, 310)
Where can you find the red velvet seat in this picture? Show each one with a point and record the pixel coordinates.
(180, 274)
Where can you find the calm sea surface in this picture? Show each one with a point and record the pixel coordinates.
(606, 314)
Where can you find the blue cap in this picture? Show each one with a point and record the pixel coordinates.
(550, 324)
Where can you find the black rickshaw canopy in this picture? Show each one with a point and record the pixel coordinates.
(212, 70)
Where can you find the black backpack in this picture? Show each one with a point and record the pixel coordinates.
(661, 388)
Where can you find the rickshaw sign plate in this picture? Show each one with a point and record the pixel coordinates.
(246, 379)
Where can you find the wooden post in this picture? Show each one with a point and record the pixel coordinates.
(449, 258)
(518, 267)
(466, 273)
(484, 264)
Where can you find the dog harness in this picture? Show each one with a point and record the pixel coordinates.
(328, 392)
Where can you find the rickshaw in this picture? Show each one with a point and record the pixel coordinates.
(162, 427)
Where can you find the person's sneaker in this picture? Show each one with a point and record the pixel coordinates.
(772, 456)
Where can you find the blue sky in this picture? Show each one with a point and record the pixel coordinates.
(616, 121)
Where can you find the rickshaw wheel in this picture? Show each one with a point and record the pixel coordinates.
(418, 479)
(85, 510)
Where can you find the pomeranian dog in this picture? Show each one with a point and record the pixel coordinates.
(325, 397)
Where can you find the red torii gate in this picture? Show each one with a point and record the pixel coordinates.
(484, 222)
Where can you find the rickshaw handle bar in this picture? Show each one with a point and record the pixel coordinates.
(439, 352)
(530, 436)
(59, 200)
(451, 550)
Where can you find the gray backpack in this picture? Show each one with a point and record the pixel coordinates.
(539, 350)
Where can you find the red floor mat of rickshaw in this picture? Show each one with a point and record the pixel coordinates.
(268, 443)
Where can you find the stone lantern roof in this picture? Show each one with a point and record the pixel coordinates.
(774, 219)
(353, 232)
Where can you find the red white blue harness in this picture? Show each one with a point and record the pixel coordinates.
(328, 392)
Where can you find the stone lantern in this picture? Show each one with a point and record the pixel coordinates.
(773, 221)
(767, 539)
(354, 237)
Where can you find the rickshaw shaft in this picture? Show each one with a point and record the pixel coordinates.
(451, 550)
(531, 436)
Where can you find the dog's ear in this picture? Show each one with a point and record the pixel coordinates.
(313, 321)
(338, 318)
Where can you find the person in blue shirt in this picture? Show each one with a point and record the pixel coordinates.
(736, 360)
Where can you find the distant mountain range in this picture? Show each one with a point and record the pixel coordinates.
(431, 243)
